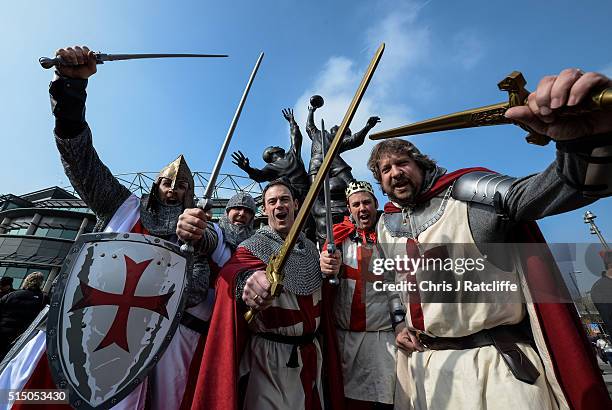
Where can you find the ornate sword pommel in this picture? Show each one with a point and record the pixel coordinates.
(46, 62)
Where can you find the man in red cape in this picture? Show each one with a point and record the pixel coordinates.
(361, 310)
(472, 353)
(274, 362)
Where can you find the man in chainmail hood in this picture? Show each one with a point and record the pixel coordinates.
(278, 350)
(118, 210)
(237, 222)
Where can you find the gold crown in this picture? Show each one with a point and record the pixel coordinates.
(358, 186)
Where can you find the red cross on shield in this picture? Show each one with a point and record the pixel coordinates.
(117, 304)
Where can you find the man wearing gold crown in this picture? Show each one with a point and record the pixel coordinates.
(366, 341)
(118, 210)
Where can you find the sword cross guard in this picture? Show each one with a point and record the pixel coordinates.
(515, 85)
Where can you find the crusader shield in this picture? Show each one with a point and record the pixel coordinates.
(115, 308)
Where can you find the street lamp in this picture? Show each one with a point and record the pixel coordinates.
(589, 218)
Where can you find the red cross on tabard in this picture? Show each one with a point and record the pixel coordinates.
(276, 316)
(360, 275)
(412, 251)
(125, 301)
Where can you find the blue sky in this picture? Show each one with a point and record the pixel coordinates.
(441, 57)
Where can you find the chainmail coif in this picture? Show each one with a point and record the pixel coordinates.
(235, 234)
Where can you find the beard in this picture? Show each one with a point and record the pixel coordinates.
(405, 198)
(235, 234)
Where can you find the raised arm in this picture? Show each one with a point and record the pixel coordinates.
(582, 170)
(311, 128)
(296, 134)
(92, 180)
(267, 173)
(356, 140)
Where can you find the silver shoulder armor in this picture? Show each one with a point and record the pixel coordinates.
(482, 187)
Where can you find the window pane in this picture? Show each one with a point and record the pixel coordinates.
(16, 272)
(42, 231)
(68, 234)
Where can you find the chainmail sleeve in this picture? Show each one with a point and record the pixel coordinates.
(88, 175)
(208, 243)
(92, 180)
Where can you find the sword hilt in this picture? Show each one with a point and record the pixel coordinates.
(331, 249)
(514, 84)
(46, 62)
(275, 277)
(206, 205)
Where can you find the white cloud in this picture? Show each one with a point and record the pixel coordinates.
(407, 46)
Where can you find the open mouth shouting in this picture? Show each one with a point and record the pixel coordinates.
(281, 216)
(403, 187)
(365, 219)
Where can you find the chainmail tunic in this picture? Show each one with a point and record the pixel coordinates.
(302, 271)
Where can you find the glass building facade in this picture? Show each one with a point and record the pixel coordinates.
(38, 229)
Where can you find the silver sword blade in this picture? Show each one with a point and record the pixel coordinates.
(47, 62)
(217, 168)
(206, 202)
(329, 222)
(118, 57)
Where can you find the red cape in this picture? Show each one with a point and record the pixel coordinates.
(217, 384)
(574, 363)
(345, 228)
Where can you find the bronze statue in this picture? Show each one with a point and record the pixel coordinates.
(280, 163)
(340, 172)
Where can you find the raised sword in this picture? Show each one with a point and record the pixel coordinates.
(47, 62)
(205, 202)
(493, 114)
(329, 223)
(274, 270)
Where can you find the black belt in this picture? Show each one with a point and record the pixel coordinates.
(194, 323)
(504, 338)
(295, 341)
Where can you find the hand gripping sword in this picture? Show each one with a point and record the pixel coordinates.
(206, 202)
(514, 84)
(47, 62)
(274, 270)
(329, 223)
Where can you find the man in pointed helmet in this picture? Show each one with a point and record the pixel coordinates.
(118, 210)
